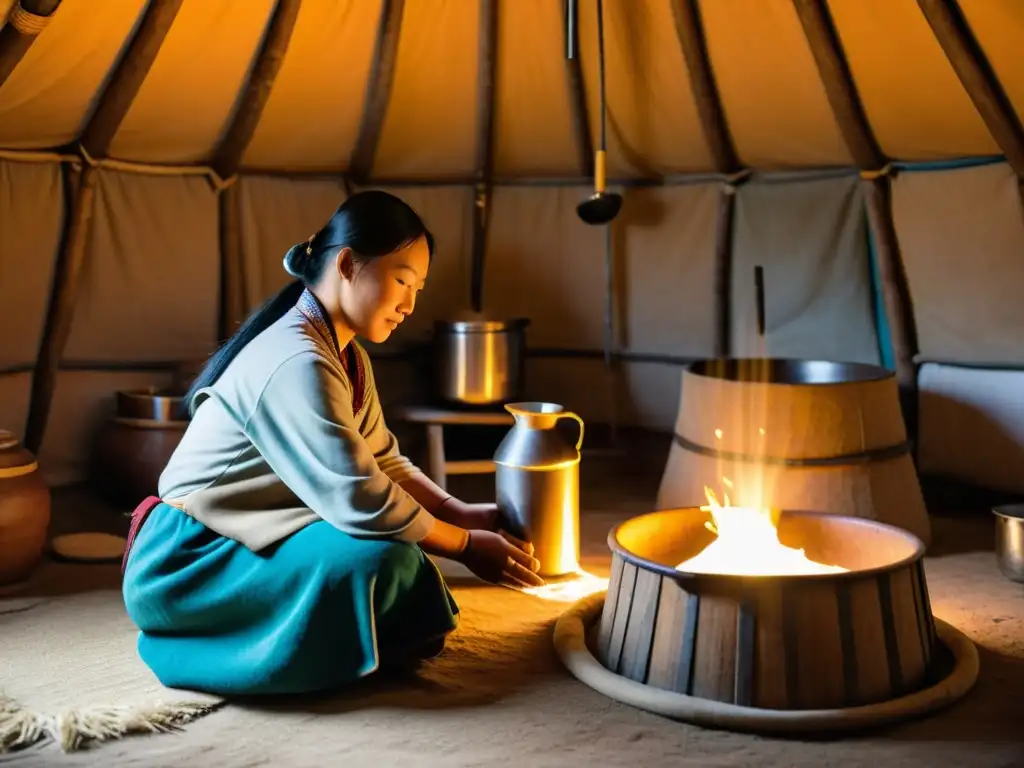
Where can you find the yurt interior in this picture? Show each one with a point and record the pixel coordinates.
(765, 257)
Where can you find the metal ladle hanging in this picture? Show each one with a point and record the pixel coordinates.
(600, 209)
(602, 206)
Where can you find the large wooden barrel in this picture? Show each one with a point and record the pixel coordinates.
(821, 641)
(134, 446)
(795, 434)
(24, 513)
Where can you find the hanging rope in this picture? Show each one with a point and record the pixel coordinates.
(871, 175)
(733, 180)
(26, 22)
(217, 183)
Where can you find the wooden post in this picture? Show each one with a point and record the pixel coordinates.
(723, 270)
(112, 105)
(228, 159)
(690, 31)
(844, 100)
(484, 167)
(378, 90)
(234, 301)
(978, 78)
(895, 291)
(27, 21)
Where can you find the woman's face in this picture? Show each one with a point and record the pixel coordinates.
(379, 294)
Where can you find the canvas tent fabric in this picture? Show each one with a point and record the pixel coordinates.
(148, 291)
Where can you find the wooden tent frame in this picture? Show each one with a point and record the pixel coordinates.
(28, 19)
(944, 17)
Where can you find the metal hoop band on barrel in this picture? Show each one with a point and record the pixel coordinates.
(860, 457)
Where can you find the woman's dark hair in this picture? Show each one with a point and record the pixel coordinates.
(372, 224)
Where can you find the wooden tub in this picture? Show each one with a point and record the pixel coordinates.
(816, 641)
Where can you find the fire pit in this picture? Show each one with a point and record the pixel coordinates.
(764, 620)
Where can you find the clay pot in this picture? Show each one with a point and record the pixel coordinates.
(134, 446)
(24, 512)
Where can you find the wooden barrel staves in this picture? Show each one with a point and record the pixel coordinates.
(24, 513)
(134, 446)
(795, 434)
(821, 641)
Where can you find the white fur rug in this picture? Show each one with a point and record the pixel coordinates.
(69, 673)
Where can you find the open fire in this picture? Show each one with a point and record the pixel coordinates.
(747, 544)
(740, 604)
(781, 603)
(747, 602)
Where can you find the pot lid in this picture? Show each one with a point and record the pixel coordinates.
(472, 322)
(8, 440)
(12, 454)
(151, 405)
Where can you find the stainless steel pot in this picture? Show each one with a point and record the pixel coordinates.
(151, 404)
(1010, 541)
(480, 362)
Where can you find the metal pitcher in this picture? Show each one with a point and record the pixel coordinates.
(537, 484)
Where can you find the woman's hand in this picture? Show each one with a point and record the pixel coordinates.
(482, 517)
(479, 517)
(500, 559)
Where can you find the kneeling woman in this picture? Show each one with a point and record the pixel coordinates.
(286, 552)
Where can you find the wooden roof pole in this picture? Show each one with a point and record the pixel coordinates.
(578, 96)
(27, 20)
(690, 31)
(487, 65)
(837, 79)
(378, 90)
(227, 160)
(111, 106)
(852, 121)
(978, 78)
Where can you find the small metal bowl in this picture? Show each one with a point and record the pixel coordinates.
(1010, 540)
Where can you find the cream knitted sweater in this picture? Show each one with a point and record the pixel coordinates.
(276, 444)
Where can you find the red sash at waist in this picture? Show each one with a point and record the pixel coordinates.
(138, 518)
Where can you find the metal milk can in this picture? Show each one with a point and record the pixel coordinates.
(537, 484)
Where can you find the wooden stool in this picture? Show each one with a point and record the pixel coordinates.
(438, 467)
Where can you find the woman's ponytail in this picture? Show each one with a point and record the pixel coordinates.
(264, 317)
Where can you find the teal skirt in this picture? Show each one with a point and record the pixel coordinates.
(310, 613)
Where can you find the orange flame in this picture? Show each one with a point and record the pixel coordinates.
(747, 544)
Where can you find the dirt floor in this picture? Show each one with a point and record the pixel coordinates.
(499, 695)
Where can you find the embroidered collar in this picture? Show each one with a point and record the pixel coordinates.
(349, 357)
(310, 306)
